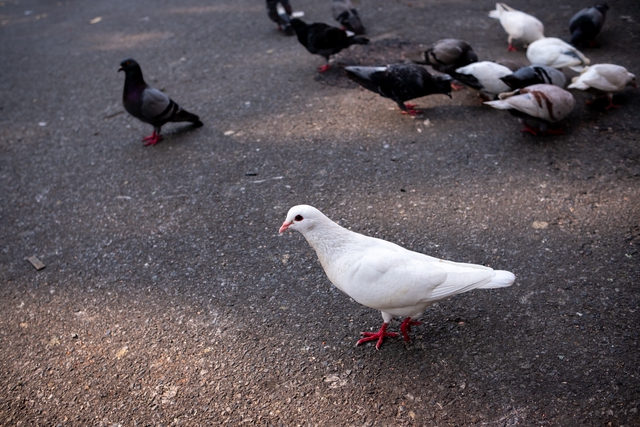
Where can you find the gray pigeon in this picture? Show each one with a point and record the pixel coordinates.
(586, 24)
(400, 82)
(346, 14)
(324, 40)
(279, 11)
(149, 104)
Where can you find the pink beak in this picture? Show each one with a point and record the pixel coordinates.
(284, 227)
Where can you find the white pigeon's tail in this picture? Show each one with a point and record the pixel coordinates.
(500, 7)
(502, 279)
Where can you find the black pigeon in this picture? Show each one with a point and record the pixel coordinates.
(324, 40)
(533, 75)
(400, 82)
(149, 104)
(347, 15)
(279, 11)
(586, 24)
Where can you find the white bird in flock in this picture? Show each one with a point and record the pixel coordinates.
(608, 78)
(384, 276)
(539, 107)
(519, 25)
(556, 53)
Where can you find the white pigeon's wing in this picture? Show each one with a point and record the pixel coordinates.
(386, 279)
(606, 78)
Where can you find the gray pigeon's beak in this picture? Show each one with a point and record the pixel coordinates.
(120, 69)
(284, 227)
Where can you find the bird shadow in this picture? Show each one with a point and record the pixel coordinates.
(174, 135)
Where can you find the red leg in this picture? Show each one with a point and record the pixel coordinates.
(530, 130)
(380, 336)
(152, 139)
(611, 104)
(456, 86)
(405, 328)
(511, 48)
(558, 131)
(411, 110)
(324, 68)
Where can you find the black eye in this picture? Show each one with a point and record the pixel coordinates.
(298, 218)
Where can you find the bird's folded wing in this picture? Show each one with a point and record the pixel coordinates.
(155, 103)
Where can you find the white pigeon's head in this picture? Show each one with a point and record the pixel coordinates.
(302, 218)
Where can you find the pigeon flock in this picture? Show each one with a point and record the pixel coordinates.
(502, 85)
(376, 273)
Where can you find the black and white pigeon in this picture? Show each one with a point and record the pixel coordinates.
(484, 77)
(324, 40)
(533, 75)
(400, 83)
(586, 24)
(538, 107)
(149, 104)
(384, 276)
(346, 14)
(279, 11)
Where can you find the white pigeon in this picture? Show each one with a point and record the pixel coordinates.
(384, 276)
(608, 78)
(537, 106)
(484, 76)
(556, 53)
(518, 25)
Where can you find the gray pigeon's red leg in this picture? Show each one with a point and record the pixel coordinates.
(380, 336)
(152, 139)
(324, 68)
(405, 328)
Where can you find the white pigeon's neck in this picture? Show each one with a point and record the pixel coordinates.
(328, 239)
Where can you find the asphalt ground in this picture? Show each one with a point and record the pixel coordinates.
(168, 297)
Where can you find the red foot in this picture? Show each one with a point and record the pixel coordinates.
(535, 132)
(456, 86)
(528, 129)
(405, 328)
(380, 336)
(612, 105)
(152, 139)
(411, 109)
(324, 68)
(511, 48)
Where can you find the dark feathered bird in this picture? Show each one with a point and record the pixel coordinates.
(149, 104)
(533, 75)
(586, 24)
(324, 40)
(279, 11)
(400, 82)
(347, 15)
(447, 55)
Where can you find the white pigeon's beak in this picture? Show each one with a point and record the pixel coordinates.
(284, 227)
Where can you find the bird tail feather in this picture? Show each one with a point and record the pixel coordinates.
(502, 279)
(184, 116)
(500, 7)
(358, 40)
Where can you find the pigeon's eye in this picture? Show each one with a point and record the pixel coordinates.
(298, 218)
